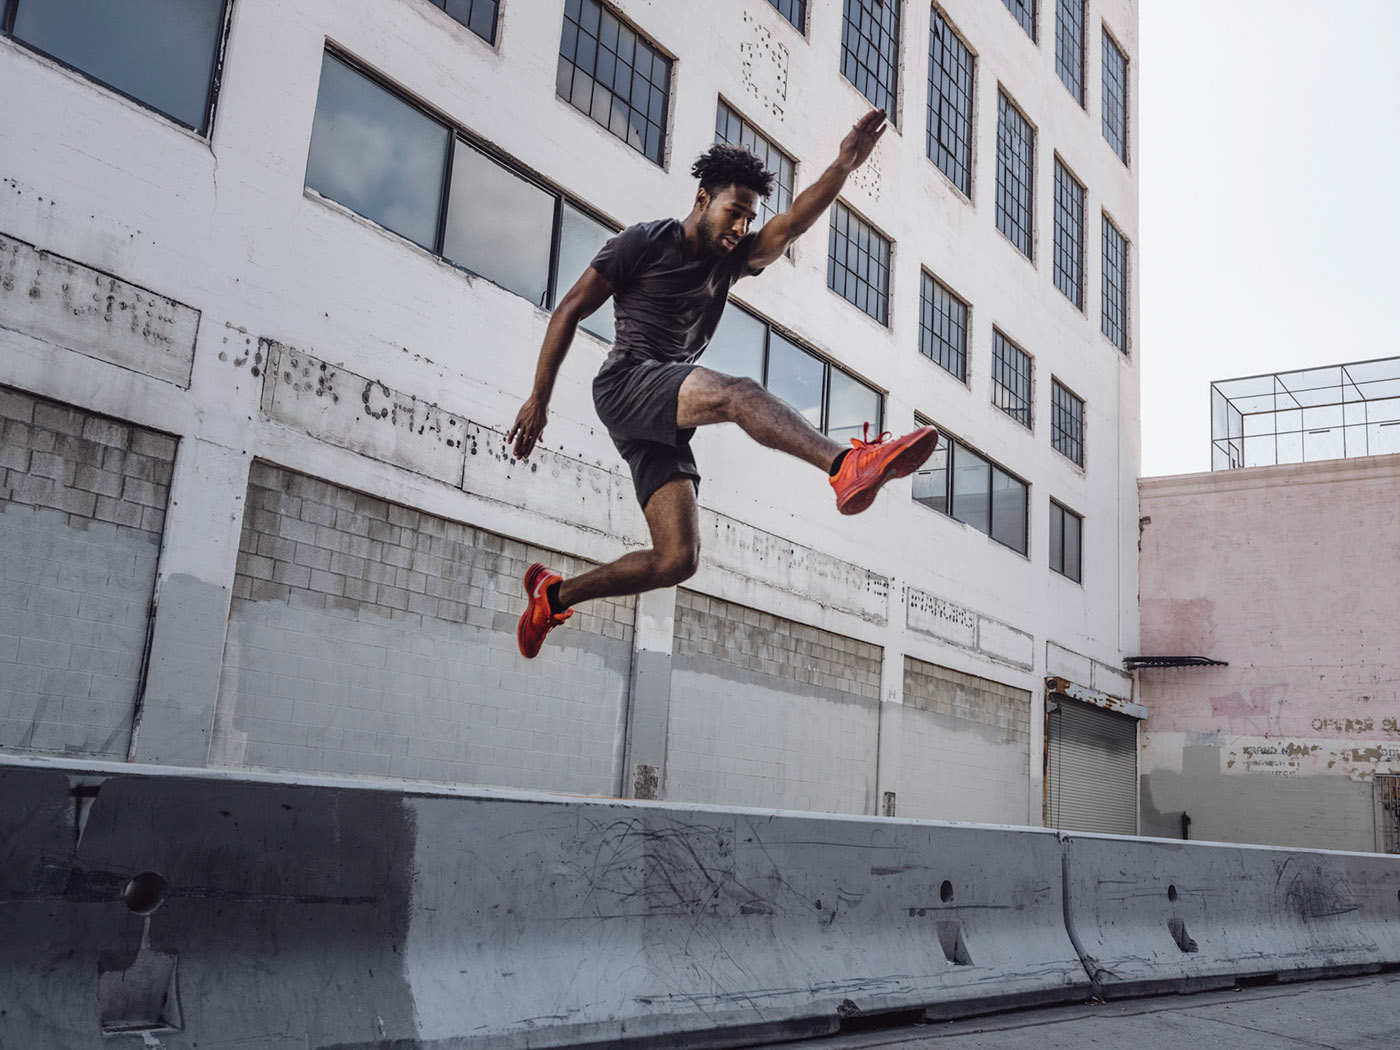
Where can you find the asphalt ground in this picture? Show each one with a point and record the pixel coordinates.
(1349, 1013)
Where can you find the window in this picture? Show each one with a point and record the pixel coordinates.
(1069, 46)
(833, 401)
(387, 160)
(1069, 235)
(1066, 423)
(1015, 174)
(615, 75)
(870, 51)
(377, 155)
(1115, 97)
(1066, 541)
(943, 326)
(950, 67)
(477, 15)
(162, 53)
(735, 130)
(858, 263)
(1011, 379)
(1115, 285)
(1024, 12)
(795, 11)
(968, 487)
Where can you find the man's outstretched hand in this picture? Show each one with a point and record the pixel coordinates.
(856, 146)
(529, 424)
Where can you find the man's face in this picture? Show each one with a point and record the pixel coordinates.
(726, 217)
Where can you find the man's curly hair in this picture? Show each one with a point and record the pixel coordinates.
(725, 165)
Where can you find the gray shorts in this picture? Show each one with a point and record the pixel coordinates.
(636, 401)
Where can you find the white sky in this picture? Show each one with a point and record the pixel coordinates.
(1270, 193)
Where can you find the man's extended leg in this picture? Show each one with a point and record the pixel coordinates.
(675, 552)
(710, 397)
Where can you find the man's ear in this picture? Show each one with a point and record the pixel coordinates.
(702, 198)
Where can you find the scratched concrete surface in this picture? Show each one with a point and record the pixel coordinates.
(1354, 1013)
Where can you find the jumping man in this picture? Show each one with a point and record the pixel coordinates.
(669, 281)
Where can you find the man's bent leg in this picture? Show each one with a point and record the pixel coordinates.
(711, 397)
(674, 555)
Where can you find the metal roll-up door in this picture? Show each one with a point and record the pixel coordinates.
(1091, 772)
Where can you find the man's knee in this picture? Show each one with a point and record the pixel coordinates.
(679, 564)
(739, 393)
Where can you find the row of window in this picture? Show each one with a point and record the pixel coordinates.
(960, 482)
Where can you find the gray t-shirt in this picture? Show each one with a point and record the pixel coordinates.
(667, 305)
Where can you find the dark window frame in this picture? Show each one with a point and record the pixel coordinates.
(1071, 47)
(960, 127)
(10, 13)
(1018, 401)
(1115, 283)
(784, 7)
(495, 5)
(929, 334)
(668, 58)
(1057, 557)
(1024, 12)
(852, 64)
(1115, 103)
(1068, 262)
(947, 446)
(1066, 422)
(885, 268)
(828, 363)
(492, 152)
(1008, 218)
(766, 211)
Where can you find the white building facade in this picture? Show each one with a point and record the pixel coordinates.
(268, 309)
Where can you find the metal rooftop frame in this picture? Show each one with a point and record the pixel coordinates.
(1334, 412)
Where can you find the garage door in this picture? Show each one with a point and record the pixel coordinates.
(1091, 769)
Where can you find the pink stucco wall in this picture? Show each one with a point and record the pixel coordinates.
(1292, 575)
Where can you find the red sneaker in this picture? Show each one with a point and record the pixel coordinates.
(870, 464)
(537, 620)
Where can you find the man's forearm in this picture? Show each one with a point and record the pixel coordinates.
(558, 337)
(812, 203)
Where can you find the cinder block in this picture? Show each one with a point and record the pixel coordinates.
(151, 443)
(58, 418)
(145, 493)
(14, 457)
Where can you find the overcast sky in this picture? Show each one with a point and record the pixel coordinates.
(1270, 182)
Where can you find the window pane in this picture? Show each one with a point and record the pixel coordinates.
(732, 128)
(949, 139)
(943, 327)
(1069, 46)
(477, 15)
(1024, 10)
(853, 404)
(736, 348)
(1115, 97)
(1011, 379)
(870, 52)
(630, 101)
(499, 225)
(795, 11)
(160, 52)
(796, 376)
(1069, 235)
(376, 154)
(1008, 510)
(858, 263)
(580, 239)
(1115, 286)
(972, 482)
(1015, 175)
(1073, 540)
(1057, 537)
(931, 480)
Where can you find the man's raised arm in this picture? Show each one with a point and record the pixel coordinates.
(811, 204)
(588, 293)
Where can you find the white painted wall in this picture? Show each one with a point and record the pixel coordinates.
(225, 226)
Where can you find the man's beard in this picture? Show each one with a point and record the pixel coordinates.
(710, 243)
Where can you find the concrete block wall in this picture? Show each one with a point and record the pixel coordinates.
(368, 637)
(965, 745)
(766, 711)
(82, 509)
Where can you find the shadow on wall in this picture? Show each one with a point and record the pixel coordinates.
(1314, 812)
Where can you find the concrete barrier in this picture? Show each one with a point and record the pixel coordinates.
(232, 909)
(1153, 915)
